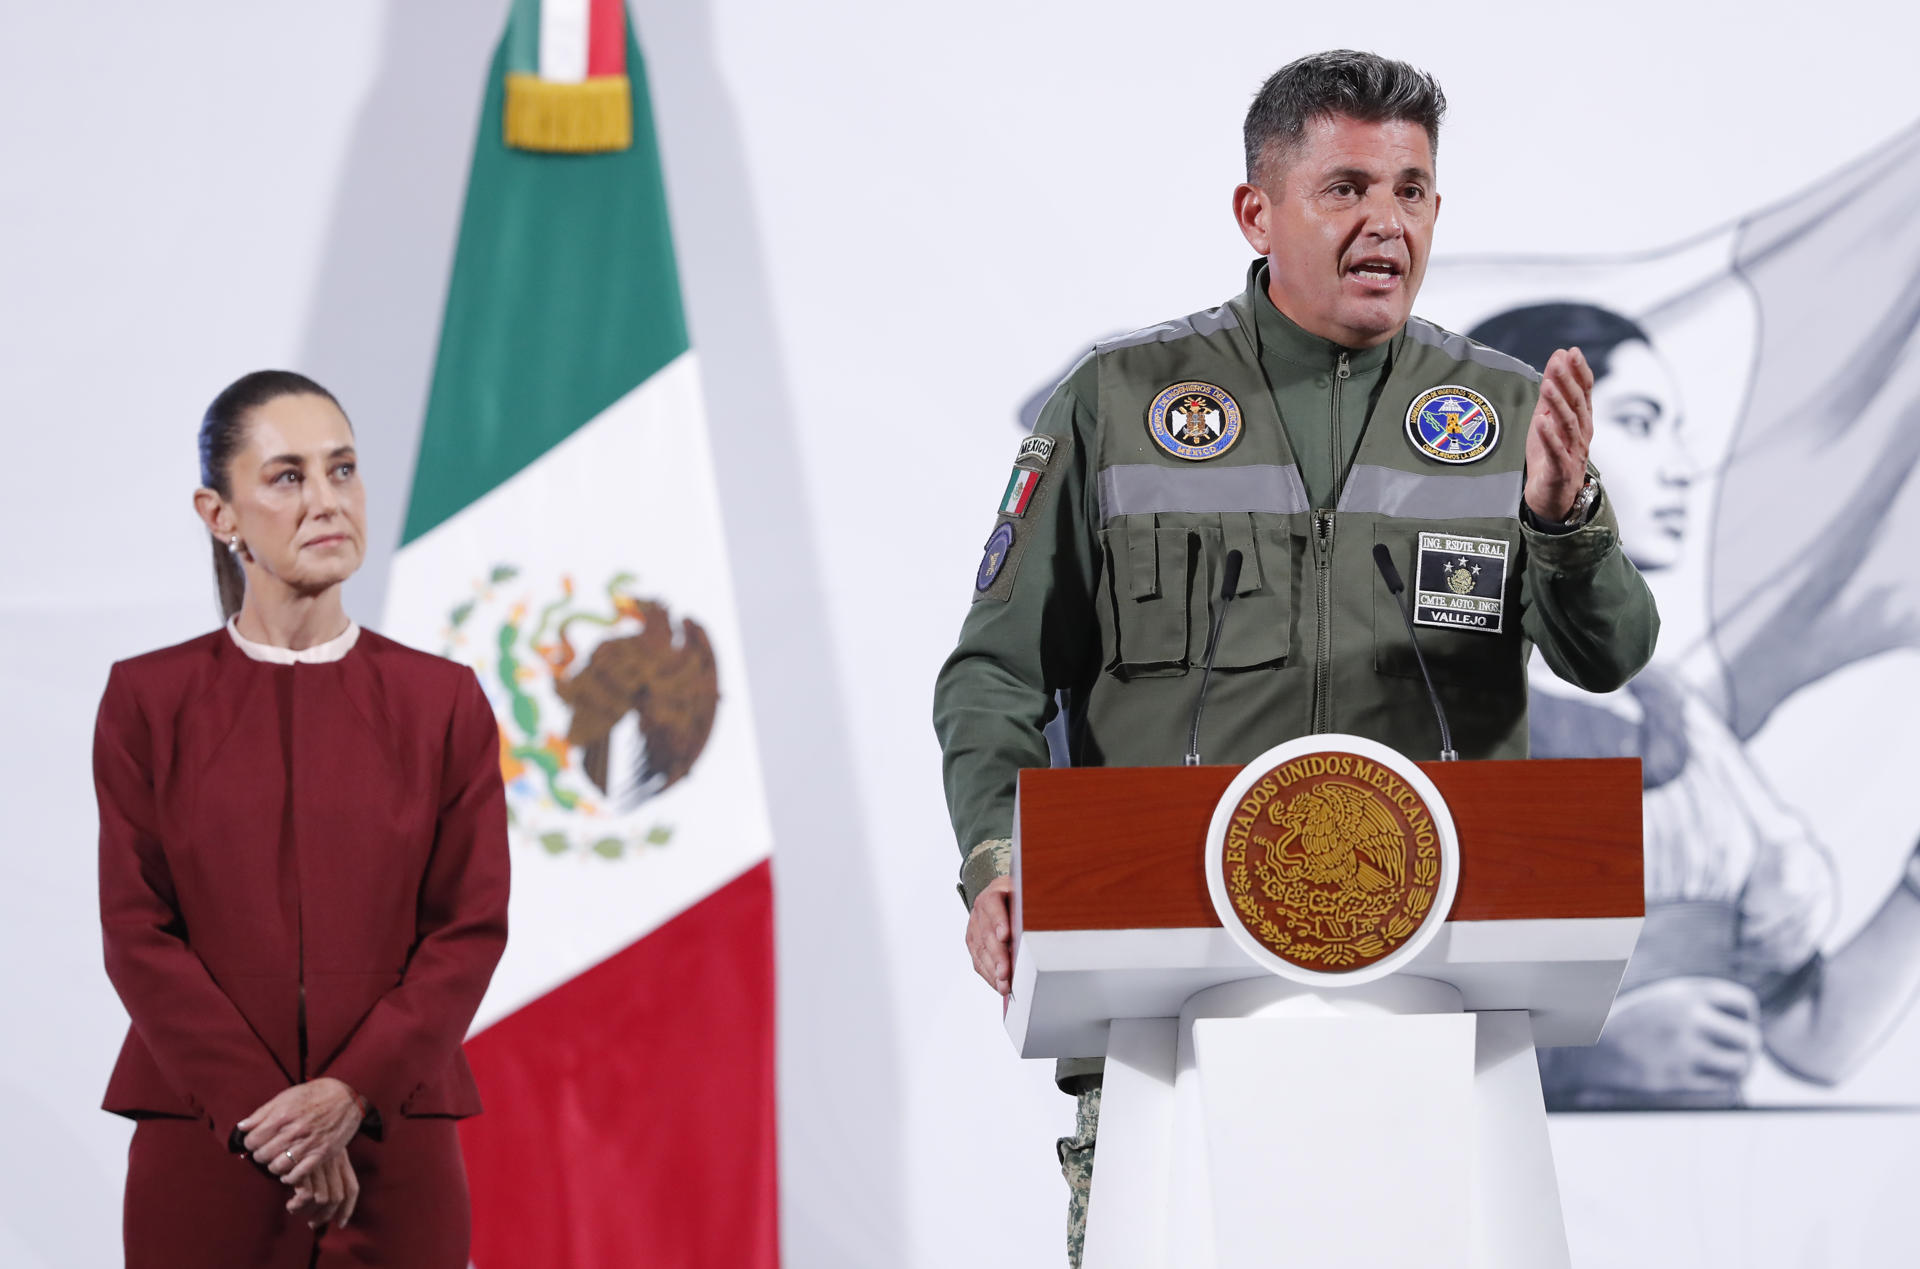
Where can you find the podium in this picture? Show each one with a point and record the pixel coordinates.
(1250, 1120)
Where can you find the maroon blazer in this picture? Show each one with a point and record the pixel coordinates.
(303, 872)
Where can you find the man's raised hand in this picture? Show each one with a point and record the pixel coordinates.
(1559, 435)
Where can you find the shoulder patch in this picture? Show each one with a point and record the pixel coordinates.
(1019, 492)
(1027, 491)
(1035, 452)
(999, 546)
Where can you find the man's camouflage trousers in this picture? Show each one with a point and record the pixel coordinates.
(1076, 1164)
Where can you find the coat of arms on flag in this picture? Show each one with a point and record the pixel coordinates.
(608, 700)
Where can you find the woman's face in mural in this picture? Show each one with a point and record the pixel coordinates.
(1636, 446)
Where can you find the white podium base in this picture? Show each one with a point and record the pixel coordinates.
(1273, 1124)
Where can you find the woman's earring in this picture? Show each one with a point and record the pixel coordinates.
(233, 546)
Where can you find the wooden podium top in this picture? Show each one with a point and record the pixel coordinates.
(1539, 840)
(1112, 914)
(1112, 918)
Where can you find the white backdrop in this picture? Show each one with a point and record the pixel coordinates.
(895, 222)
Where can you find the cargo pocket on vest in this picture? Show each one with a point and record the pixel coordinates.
(1257, 629)
(1148, 572)
(1453, 655)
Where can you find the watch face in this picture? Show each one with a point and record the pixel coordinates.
(1582, 505)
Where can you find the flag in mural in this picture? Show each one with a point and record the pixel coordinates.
(1757, 426)
(564, 539)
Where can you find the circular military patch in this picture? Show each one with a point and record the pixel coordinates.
(1332, 857)
(995, 558)
(1194, 421)
(1453, 424)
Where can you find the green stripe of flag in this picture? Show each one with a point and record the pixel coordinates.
(523, 37)
(564, 298)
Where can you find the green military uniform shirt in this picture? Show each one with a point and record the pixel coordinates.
(1104, 566)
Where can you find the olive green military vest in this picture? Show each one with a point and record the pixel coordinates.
(1313, 641)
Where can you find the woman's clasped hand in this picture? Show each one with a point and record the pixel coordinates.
(301, 1136)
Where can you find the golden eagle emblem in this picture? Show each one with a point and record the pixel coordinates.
(1332, 861)
(665, 686)
(1339, 834)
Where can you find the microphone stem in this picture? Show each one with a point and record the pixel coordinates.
(1447, 753)
(1383, 560)
(1206, 677)
(1230, 583)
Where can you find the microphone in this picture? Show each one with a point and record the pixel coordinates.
(1229, 583)
(1391, 575)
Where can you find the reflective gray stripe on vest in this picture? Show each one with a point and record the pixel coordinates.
(1413, 495)
(1132, 489)
(1460, 348)
(1211, 322)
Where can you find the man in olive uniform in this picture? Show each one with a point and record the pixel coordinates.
(1300, 423)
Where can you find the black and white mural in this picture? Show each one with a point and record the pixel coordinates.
(1757, 424)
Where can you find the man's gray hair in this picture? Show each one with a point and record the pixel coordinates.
(1363, 86)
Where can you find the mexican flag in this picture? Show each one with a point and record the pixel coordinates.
(564, 539)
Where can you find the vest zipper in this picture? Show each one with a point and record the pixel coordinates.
(1323, 566)
(1323, 654)
(1340, 375)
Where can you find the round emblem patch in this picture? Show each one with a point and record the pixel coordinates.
(1194, 421)
(1453, 424)
(996, 556)
(1332, 858)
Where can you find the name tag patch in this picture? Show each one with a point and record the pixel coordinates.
(1460, 583)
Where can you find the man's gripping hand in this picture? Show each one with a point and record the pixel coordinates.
(990, 935)
(1559, 435)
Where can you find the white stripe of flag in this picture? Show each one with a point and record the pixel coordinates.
(563, 40)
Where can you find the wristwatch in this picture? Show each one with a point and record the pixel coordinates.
(1582, 504)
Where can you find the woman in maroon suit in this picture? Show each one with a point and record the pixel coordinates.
(303, 885)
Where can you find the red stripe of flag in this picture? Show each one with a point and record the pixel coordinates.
(607, 38)
(630, 1110)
